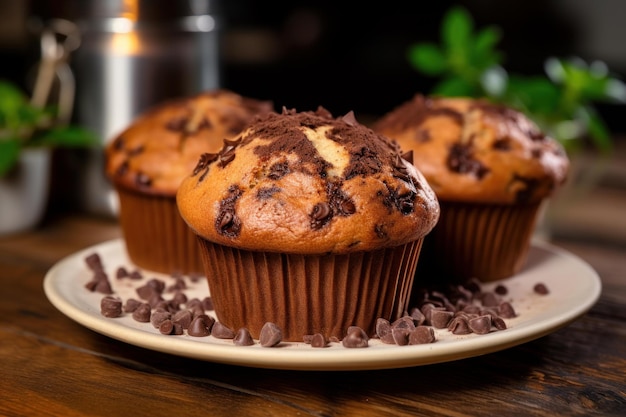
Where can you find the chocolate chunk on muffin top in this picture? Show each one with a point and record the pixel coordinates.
(154, 153)
(472, 150)
(305, 182)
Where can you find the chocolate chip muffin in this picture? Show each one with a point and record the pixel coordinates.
(311, 222)
(148, 160)
(491, 169)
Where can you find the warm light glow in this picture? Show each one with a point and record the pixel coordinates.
(125, 43)
(131, 10)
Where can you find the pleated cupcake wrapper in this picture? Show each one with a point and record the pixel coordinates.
(306, 294)
(156, 236)
(487, 242)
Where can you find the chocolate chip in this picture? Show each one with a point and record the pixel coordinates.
(158, 317)
(221, 331)
(203, 164)
(318, 341)
(183, 317)
(166, 327)
(440, 319)
(383, 331)
(506, 310)
(94, 262)
(243, 338)
(502, 144)
(400, 336)
(200, 326)
(131, 305)
(490, 299)
(459, 325)
(480, 325)
(460, 159)
(142, 313)
(422, 335)
(121, 272)
(278, 170)
(320, 215)
(355, 338)
(207, 303)
(501, 290)
(541, 288)
(111, 306)
(143, 180)
(271, 335)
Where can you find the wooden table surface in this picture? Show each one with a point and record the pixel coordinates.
(53, 366)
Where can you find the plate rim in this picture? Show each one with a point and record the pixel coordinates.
(307, 358)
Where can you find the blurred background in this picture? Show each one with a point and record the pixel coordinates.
(343, 55)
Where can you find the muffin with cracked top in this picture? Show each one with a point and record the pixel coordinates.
(147, 161)
(308, 221)
(491, 168)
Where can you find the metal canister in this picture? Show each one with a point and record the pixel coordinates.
(133, 55)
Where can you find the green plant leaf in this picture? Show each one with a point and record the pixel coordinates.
(533, 94)
(9, 154)
(482, 52)
(67, 137)
(455, 87)
(457, 28)
(428, 58)
(598, 132)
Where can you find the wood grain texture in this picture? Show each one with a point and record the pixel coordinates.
(52, 366)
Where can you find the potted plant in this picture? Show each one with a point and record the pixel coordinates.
(561, 101)
(28, 133)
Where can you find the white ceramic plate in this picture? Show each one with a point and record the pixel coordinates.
(574, 288)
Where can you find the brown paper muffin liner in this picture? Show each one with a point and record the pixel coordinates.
(308, 294)
(156, 236)
(486, 242)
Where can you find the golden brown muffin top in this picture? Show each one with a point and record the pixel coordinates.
(163, 145)
(471, 150)
(305, 182)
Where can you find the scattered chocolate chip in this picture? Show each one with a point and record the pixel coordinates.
(400, 335)
(183, 317)
(540, 288)
(166, 327)
(199, 327)
(207, 303)
(506, 310)
(480, 324)
(383, 331)
(355, 338)
(318, 341)
(94, 262)
(121, 272)
(142, 313)
(271, 335)
(422, 335)
(501, 290)
(459, 325)
(221, 331)
(440, 319)
(243, 338)
(111, 306)
(131, 305)
(159, 316)
(103, 286)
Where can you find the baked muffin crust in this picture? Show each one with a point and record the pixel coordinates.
(471, 150)
(162, 146)
(305, 182)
